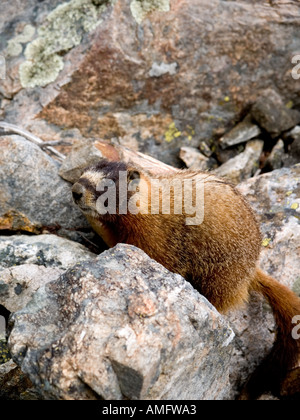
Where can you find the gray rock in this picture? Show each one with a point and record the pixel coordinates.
(294, 133)
(293, 138)
(205, 149)
(122, 326)
(241, 133)
(275, 198)
(194, 159)
(271, 113)
(82, 155)
(244, 165)
(29, 262)
(277, 157)
(42, 250)
(18, 284)
(33, 197)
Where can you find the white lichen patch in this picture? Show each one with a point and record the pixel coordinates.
(14, 46)
(161, 69)
(141, 8)
(40, 68)
(63, 30)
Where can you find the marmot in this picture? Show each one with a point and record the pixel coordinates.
(219, 256)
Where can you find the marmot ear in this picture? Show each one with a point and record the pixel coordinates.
(133, 175)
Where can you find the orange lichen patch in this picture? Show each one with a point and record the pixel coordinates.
(13, 220)
(142, 307)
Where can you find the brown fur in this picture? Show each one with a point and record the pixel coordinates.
(219, 257)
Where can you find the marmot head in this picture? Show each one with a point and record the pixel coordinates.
(104, 186)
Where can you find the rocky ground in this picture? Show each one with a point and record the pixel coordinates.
(205, 85)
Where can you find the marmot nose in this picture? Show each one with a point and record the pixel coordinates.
(77, 192)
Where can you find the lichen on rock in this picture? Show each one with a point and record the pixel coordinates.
(40, 68)
(63, 29)
(141, 8)
(14, 47)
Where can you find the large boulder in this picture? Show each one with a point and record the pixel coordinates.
(33, 197)
(26, 264)
(122, 326)
(156, 74)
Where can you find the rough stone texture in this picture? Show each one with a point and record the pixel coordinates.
(272, 114)
(276, 199)
(81, 156)
(242, 132)
(194, 159)
(277, 157)
(18, 284)
(171, 74)
(63, 29)
(4, 352)
(14, 384)
(28, 262)
(122, 326)
(293, 139)
(42, 250)
(33, 197)
(244, 165)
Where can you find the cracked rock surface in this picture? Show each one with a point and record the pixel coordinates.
(121, 326)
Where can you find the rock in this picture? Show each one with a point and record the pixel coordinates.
(205, 149)
(18, 284)
(4, 352)
(293, 139)
(275, 199)
(42, 250)
(272, 115)
(244, 165)
(122, 326)
(14, 384)
(241, 133)
(295, 147)
(28, 262)
(33, 197)
(82, 155)
(276, 158)
(223, 155)
(157, 85)
(194, 159)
